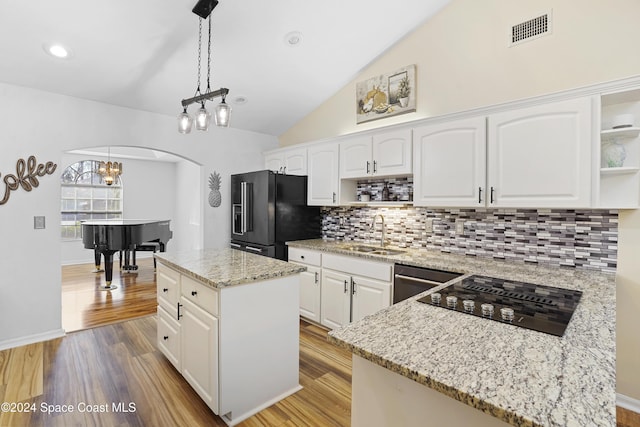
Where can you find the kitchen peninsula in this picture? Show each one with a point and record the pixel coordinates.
(425, 365)
(228, 322)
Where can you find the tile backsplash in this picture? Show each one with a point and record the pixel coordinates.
(576, 238)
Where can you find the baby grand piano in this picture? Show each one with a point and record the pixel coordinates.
(107, 237)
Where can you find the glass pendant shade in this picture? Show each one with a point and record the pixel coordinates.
(185, 122)
(203, 118)
(108, 180)
(223, 114)
(102, 169)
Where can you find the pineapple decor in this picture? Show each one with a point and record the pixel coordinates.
(215, 198)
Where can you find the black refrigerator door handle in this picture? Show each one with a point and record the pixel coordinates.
(243, 207)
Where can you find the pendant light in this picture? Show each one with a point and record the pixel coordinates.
(109, 171)
(223, 111)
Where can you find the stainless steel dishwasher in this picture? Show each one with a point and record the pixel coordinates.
(409, 280)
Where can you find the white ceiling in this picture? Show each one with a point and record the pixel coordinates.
(142, 53)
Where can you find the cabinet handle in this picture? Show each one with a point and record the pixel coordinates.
(353, 286)
(179, 315)
(166, 337)
(301, 256)
(368, 164)
(165, 289)
(316, 273)
(492, 194)
(375, 166)
(334, 197)
(345, 286)
(479, 195)
(194, 293)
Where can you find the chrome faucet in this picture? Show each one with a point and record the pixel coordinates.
(373, 224)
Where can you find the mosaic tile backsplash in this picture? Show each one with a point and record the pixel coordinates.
(575, 238)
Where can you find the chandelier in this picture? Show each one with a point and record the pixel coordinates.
(109, 171)
(222, 111)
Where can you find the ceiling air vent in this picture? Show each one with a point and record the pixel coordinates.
(531, 29)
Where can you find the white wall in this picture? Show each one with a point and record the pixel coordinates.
(187, 227)
(149, 191)
(30, 260)
(463, 60)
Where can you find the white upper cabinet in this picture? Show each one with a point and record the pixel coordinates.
(290, 161)
(540, 156)
(450, 164)
(383, 154)
(355, 157)
(323, 181)
(392, 153)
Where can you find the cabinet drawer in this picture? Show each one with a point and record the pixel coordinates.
(305, 256)
(358, 266)
(168, 286)
(169, 337)
(201, 295)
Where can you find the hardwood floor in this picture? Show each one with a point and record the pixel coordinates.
(84, 305)
(116, 367)
(113, 375)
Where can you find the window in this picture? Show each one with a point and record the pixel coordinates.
(85, 196)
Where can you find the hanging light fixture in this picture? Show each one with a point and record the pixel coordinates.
(223, 111)
(109, 171)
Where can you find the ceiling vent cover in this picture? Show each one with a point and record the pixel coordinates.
(531, 29)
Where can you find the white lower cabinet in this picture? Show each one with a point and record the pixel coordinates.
(335, 305)
(188, 330)
(368, 296)
(336, 290)
(169, 337)
(310, 281)
(353, 288)
(310, 285)
(199, 350)
(237, 346)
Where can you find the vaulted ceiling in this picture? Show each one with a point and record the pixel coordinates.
(142, 54)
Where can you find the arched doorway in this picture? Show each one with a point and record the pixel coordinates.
(155, 185)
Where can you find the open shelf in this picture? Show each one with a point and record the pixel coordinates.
(618, 171)
(381, 204)
(622, 133)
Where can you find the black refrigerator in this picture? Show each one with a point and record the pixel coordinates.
(269, 209)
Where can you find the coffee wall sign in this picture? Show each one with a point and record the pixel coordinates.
(27, 173)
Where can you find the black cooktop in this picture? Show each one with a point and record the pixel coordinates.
(540, 308)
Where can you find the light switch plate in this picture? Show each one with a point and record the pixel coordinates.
(428, 225)
(38, 222)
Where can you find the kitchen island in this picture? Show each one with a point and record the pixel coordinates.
(518, 376)
(228, 322)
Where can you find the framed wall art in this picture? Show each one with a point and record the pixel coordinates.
(386, 95)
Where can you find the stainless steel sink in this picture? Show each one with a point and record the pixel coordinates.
(376, 250)
(388, 252)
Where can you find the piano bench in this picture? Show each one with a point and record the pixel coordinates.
(149, 246)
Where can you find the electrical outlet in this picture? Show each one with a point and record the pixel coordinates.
(428, 225)
(459, 226)
(38, 222)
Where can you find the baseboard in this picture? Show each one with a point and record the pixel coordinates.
(265, 405)
(627, 402)
(31, 339)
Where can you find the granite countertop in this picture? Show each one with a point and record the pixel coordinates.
(220, 268)
(523, 377)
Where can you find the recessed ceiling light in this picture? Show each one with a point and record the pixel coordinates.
(57, 50)
(293, 39)
(240, 99)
